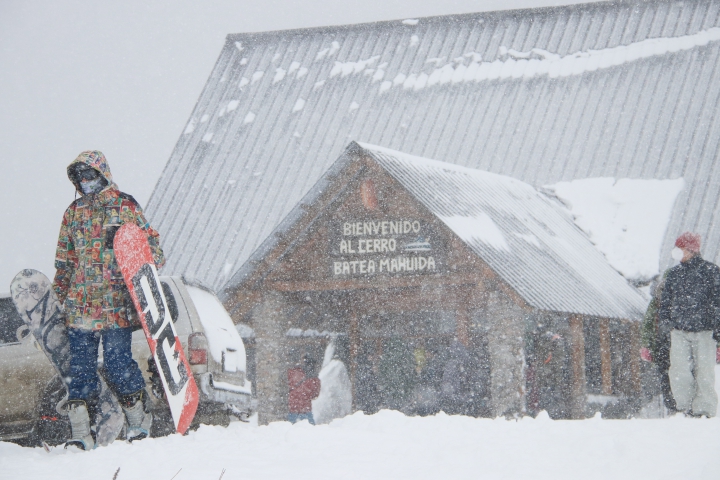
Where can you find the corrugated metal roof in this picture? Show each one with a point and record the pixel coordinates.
(530, 241)
(500, 91)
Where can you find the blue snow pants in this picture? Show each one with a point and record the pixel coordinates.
(120, 368)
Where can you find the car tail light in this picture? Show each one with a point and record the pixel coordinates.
(197, 346)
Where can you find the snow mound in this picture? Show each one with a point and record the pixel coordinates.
(389, 445)
(626, 219)
(335, 399)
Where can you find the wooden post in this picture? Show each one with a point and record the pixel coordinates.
(462, 329)
(577, 354)
(605, 357)
(271, 364)
(354, 344)
(505, 337)
(635, 381)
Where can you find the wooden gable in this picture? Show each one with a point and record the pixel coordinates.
(368, 231)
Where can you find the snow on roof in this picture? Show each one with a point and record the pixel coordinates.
(611, 89)
(529, 240)
(626, 219)
(539, 62)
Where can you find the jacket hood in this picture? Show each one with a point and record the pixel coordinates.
(96, 160)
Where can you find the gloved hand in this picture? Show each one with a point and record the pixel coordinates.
(647, 356)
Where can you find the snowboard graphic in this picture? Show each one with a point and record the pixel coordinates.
(134, 257)
(39, 307)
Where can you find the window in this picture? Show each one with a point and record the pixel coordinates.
(10, 321)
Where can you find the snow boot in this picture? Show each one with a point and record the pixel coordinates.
(139, 420)
(82, 435)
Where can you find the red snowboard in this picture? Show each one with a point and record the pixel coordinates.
(134, 257)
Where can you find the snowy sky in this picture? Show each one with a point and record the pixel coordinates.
(123, 77)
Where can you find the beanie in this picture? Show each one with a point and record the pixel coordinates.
(689, 241)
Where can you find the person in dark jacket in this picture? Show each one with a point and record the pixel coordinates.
(367, 396)
(397, 373)
(656, 344)
(455, 387)
(690, 309)
(302, 390)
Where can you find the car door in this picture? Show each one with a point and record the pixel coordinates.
(25, 371)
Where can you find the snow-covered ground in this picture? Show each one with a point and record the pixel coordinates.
(391, 445)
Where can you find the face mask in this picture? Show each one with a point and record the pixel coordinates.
(677, 254)
(93, 186)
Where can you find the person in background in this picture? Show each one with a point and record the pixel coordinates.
(367, 395)
(656, 344)
(97, 305)
(690, 309)
(425, 395)
(455, 388)
(303, 388)
(397, 373)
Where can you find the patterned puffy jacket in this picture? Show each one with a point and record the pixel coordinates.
(88, 280)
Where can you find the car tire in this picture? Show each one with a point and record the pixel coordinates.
(210, 413)
(242, 416)
(51, 427)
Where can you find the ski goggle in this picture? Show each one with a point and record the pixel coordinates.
(84, 173)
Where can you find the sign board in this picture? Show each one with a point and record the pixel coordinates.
(364, 248)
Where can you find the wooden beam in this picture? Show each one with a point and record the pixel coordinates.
(605, 357)
(354, 346)
(241, 302)
(635, 381)
(335, 187)
(381, 283)
(462, 329)
(577, 355)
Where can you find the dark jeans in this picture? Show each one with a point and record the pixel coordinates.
(662, 360)
(121, 370)
(299, 417)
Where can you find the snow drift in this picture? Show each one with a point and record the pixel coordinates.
(391, 445)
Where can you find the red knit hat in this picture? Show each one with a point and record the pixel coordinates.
(689, 241)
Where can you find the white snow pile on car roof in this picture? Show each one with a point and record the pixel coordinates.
(389, 445)
(221, 334)
(626, 218)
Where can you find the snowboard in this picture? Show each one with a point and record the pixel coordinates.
(135, 259)
(39, 308)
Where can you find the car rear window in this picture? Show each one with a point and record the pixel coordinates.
(10, 321)
(175, 302)
(172, 303)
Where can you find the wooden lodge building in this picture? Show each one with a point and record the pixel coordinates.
(407, 259)
(253, 202)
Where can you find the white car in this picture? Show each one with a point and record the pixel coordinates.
(31, 393)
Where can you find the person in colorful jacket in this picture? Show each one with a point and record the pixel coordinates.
(97, 305)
